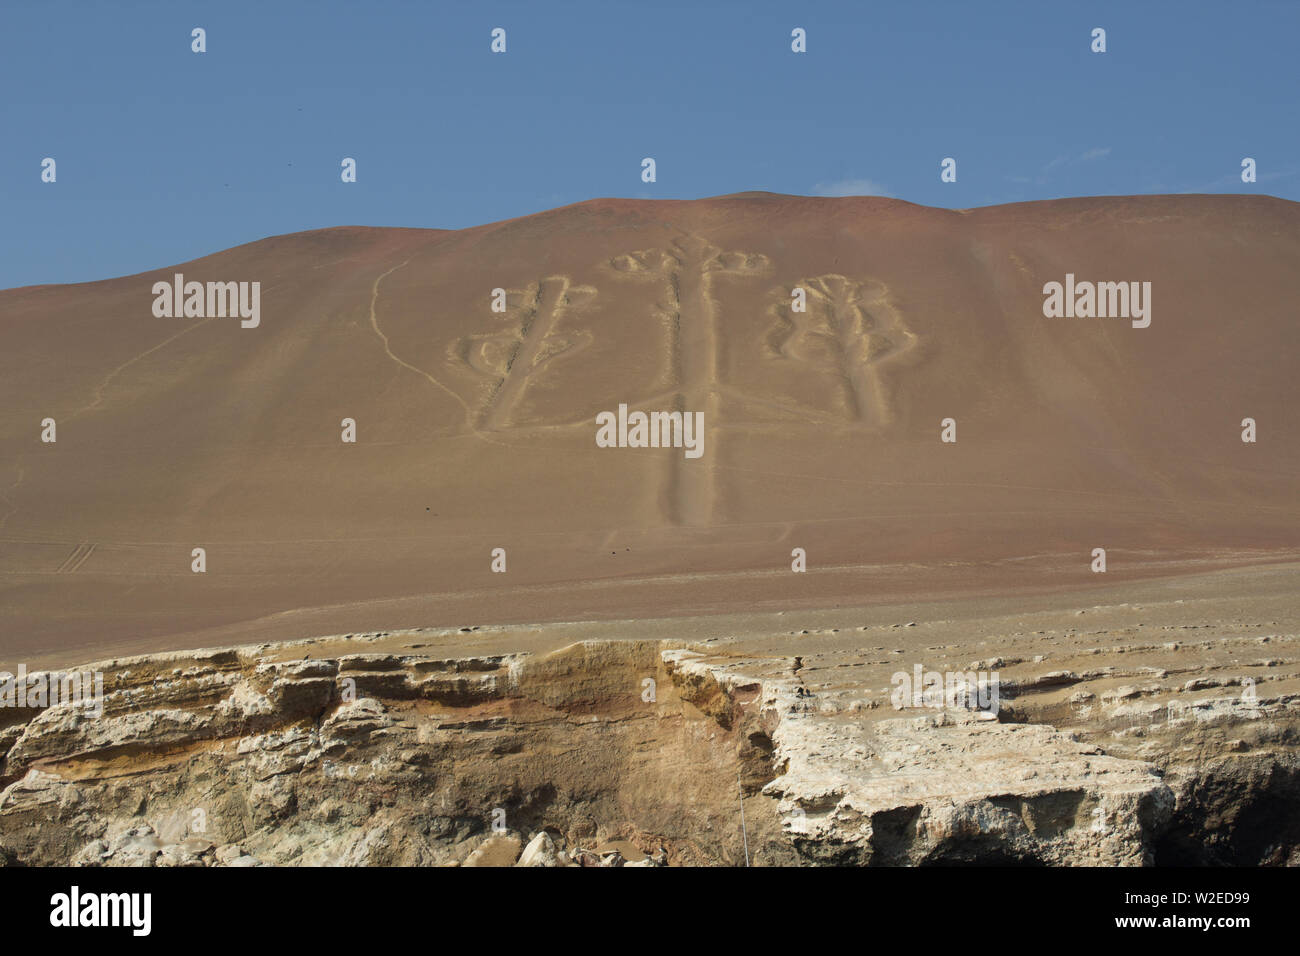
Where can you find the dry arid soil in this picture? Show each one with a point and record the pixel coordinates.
(372, 691)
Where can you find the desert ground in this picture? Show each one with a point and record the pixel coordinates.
(1151, 723)
(1148, 711)
(475, 429)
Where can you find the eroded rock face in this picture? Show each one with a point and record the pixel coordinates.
(1218, 718)
(947, 787)
(1110, 747)
(642, 753)
(238, 757)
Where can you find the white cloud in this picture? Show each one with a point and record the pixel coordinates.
(1045, 174)
(852, 187)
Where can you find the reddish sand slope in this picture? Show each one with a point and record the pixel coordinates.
(477, 429)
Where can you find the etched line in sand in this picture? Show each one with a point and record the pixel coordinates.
(99, 389)
(850, 330)
(388, 350)
(98, 395)
(516, 356)
(11, 509)
(690, 315)
(79, 556)
(85, 556)
(403, 363)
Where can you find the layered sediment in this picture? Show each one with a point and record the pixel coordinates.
(1111, 748)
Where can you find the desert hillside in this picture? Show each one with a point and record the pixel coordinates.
(476, 429)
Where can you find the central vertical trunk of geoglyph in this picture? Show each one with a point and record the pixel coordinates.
(687, 271)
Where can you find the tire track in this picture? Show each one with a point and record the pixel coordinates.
(79, 555)
(85, 556)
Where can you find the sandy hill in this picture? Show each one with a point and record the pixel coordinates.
(476, 429)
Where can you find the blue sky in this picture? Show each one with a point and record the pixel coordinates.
(164, 155)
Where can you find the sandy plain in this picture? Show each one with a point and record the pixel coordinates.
(475, 430)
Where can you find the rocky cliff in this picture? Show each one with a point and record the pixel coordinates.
(1110, 749)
